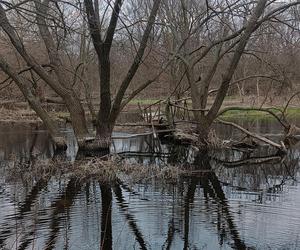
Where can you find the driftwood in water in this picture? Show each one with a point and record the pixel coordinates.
(252, 161)
(247, 143)
(280, 146)
(292, 136)
(140, 125)
(91, 139)
(292, 132)
(184, 138)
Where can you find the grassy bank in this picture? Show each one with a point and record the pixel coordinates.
(25, 114)
(291, 113)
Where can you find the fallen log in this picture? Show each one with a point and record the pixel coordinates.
(281, 147)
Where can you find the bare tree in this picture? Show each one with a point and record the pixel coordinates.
(61, 82)
(29, 93)
(109, 110)
(224, 30)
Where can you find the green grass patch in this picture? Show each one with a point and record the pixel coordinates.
(255, 114)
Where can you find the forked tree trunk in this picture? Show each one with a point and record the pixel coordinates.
(206, 121)
(109, 110)
(70, 97)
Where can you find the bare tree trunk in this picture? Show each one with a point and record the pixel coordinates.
(104, 126)
(78, 119)
(61, 85)
(84, 51)
(222, 92)
(109, 112)
(71, 99)
(34, 102)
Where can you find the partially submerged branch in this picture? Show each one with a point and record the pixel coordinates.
(281, 147)
(273, 159)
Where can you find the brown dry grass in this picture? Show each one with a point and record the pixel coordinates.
(18, 115)
(113, 170)
(106, 171)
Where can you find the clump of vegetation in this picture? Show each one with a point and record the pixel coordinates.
(105, 170)
(114, 169)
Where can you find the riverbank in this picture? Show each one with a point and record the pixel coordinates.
(26, 115)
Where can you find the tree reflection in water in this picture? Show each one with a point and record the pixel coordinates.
(106, 226)
(52, 217)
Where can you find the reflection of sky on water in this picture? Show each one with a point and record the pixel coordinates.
(261, 209)
(274, 222)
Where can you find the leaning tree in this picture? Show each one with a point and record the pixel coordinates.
(49, 19)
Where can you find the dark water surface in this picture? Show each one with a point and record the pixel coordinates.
(227, 203)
